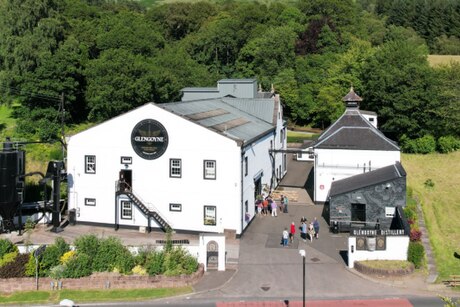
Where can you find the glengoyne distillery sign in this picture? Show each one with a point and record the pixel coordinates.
(149, 139)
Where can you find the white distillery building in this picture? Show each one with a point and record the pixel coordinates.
(193, 166)
(352, 145)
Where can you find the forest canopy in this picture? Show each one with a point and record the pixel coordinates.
(106, 57)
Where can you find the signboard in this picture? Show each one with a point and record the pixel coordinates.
(377, 243)
(149, 139)
(377, 232)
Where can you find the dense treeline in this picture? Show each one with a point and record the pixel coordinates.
(108, 57)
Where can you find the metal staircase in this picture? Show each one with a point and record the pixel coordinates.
(124, 189)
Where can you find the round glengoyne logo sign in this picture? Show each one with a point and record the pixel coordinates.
(149, 139)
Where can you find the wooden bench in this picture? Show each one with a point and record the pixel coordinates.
(454, 281)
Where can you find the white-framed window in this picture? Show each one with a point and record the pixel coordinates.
(90, 164)
(246, 167)
(90, 202)
(175, 207)
(126, 160)
(209, 169)
(126, 210)
(210, 215)
(390, 211)
(175, 168)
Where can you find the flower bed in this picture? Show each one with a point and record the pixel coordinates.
(101, 281)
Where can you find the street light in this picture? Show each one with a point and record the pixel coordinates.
(302, 254)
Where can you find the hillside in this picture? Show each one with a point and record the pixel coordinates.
(440, 203)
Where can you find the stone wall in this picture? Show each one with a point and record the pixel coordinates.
(99, 281)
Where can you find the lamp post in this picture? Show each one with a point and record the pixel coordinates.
(302, 254)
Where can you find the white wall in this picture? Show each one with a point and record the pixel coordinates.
(151, 182)
(336, 164)
(396, 249)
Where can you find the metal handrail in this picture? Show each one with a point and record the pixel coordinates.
(149, 205)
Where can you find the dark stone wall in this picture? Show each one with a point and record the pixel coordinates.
(375, 197)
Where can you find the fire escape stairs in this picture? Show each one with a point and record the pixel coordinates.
(150, 214)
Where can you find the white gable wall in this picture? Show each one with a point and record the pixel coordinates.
(151, 182)
(336, 164)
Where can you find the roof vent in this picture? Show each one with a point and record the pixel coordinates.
(351, 99)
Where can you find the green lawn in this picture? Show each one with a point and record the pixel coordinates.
(53, 297)
(440, 204)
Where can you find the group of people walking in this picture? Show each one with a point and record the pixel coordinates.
(306, 229)
(269, 206)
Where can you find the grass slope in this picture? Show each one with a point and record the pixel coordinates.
(440, 204)
(436, 60)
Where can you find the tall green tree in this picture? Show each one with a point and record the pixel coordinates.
(117, 82)
(398, 85)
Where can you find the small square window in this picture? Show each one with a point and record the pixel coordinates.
(126, 210)
(175, 168)
(175, 207)
(209, 171)
(90, 164)
(90, 201)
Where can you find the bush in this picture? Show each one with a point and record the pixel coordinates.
(30, 266)
(57, 272)
(416, 254)
(52, 255)
(141, 257)
(16, 268)
(6, 246)
(410, 213)
(78, 266)
(67, 256)
(448, 144)
(154, 263)
(178, 262)
(87, 244)
(139, 270)
(112, 254)
(415, 235)
(7, 258)
(423, 145)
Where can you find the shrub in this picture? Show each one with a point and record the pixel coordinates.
(87, 244)
(61, 245)
(67, 256)
(178, 262)
(6, 246)
(110, 254)
(410, 213)
(57, 272)
(154, 263)
(30, 266)
(416, 254)
(448, 144)
(415, 235)
(423, 145)
(7, 258)
(141, 257)
(139, 270)
(429, 183)
(52, 255)
(78, 266)
(15, 268)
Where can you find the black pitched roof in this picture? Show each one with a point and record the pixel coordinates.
(353, 131)
(353, 183)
